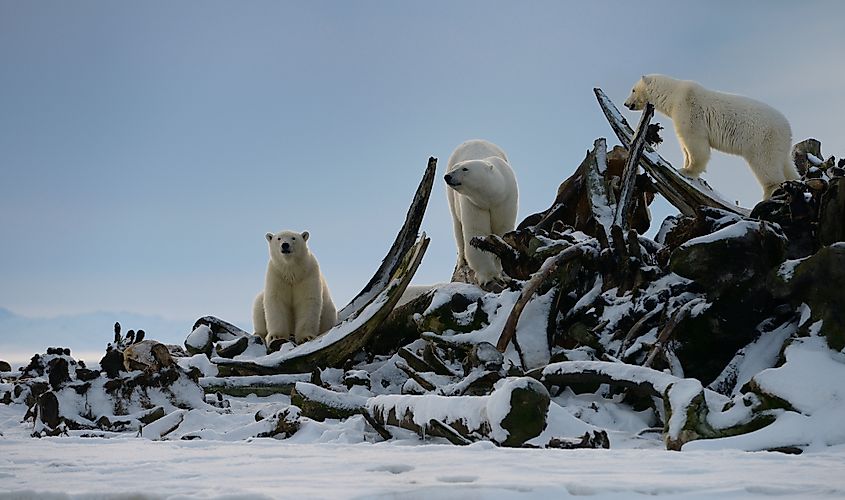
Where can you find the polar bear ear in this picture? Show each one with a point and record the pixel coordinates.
(305, 235)
(269, 236)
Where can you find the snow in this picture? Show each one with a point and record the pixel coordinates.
(531, 330)
(812, 378)
(346, 459)
(80, 468)
(443, 295)
(787, 269)
(753, 358)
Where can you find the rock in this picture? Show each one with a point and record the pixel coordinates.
(817, 282)
(356, 377)
(112, 362)
(800, 151)
(484, 355)
(832, 213)
(230, 349)
(5, 367)
(146, 355)
(794, 207)
(731, 257)
(732, 266)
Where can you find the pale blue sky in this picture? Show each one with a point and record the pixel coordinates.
(146, 147)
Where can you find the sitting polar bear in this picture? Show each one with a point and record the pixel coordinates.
(727, 122)
(483, 198)
(295, 304)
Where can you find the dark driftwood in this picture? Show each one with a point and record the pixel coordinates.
(680, 315)
(629, 174)
(599, 197)
(549, 267)
(681, 192)
(404, 240)
(416, 376)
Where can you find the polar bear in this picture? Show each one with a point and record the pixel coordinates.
(483, 198)
(296, 303)
(727, 122)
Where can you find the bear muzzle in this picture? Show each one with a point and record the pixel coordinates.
(451, 180)
(286, 248)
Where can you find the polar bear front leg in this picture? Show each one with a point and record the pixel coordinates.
(696, 148)
(308, 307)
(278, 314)
(455, 208)
(476, 222)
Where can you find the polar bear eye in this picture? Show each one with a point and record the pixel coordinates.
(465, 169)
(293, 239)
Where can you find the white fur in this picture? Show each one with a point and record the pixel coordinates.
(296, 303)
(726, 122)
(483, 198)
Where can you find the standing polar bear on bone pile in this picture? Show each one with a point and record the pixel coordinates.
(483, 198)
(296, 303)
(727, 122)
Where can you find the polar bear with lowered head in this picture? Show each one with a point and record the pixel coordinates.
(483, 198)
(726, 122)
(296, 303)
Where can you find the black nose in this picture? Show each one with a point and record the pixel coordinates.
(285, 246)
(447, 178)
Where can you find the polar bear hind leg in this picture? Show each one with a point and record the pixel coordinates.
(259, 322)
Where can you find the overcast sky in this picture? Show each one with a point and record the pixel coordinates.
(146, 147)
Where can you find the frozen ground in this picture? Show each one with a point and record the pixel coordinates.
(329, 460)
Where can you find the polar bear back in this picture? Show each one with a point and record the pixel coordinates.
(473, 150)
(735, 124)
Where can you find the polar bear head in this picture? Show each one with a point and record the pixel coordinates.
(287, 246)
(478, 180)
(640, 94)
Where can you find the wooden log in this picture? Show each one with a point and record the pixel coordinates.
(510, 416)
(260, 385)
(629, 173)
(318, 403)
(416, 376)
(598, 194)
(680, 315)
(685, 194)
(401, 245)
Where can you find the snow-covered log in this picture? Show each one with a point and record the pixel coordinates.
(318, 403)
(514, 413)
(629, 174)
(690, 411)
(260, 385)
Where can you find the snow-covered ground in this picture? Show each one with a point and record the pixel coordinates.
(346, 460)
